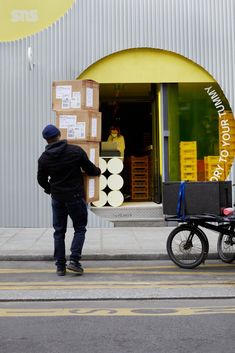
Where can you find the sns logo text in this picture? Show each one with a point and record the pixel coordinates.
(24, 16)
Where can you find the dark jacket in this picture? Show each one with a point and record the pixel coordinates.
(59, 170)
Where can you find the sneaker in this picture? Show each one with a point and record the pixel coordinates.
(75, 267)
(61, 271)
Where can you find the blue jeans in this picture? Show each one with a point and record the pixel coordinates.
(77, 210)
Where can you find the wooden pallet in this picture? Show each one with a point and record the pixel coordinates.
(138, 177)
(140, 197)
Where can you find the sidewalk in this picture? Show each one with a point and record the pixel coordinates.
(140, 243)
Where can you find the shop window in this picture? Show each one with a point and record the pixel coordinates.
(202, 132)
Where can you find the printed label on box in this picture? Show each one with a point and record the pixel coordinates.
(63, 91)
(70, 133)
(77, 132)
(66, 103)
(67, 121)
(89, 97)
(92, 155)
(91, 188)
(94, 127)
(76, 100)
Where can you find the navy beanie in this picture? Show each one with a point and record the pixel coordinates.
(50, 131)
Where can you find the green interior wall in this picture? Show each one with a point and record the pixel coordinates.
(198, 119)
(192, 116)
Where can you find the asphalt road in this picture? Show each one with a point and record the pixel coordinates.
(117, 307)
(187, 326)
(116, 280)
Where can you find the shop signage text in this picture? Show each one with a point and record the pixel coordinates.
(24, 15)
(21, 18)
(225, 138)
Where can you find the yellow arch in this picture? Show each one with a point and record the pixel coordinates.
(145, 65)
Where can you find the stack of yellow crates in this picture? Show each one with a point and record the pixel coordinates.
(229, 131)
(210, 163)
(76, 104)
(188, 160)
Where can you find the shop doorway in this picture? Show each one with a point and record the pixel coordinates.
(130, 107)
(134, 90)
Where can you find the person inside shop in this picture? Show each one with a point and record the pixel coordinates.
(115, 136)
(60, 175)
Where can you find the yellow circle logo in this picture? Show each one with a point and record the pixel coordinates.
(22, 18)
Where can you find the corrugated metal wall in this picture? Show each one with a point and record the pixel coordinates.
(202, 31)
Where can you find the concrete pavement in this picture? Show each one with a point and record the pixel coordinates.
(107, 243)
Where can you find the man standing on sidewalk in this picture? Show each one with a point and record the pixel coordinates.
(59, 174)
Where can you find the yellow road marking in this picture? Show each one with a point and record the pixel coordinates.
(196, 273)
(181, 311)
(22, 286)
(24, 270)
(148, 270)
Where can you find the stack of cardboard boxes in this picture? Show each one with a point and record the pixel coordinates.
(76, 104)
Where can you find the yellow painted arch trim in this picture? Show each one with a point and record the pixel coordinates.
(145, 65)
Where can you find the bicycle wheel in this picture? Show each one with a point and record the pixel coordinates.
(226, 248)
(187, 246)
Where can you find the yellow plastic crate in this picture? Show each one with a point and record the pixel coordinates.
(188, 158)
(188, 176)
(188, 161)
(188, 152)
(186, 144)
(211, 159)
(189, 169)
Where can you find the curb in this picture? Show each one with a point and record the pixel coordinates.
(99, 257)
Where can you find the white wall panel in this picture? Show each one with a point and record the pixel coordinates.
(201, 30)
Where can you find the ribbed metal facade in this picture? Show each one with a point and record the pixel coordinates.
(201, 30)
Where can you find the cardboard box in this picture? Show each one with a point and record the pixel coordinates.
(75, 94)
(200, 197)
(78, 126)
(92, 149)
(92, 188)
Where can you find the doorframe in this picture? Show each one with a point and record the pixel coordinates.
(160, 138)
(165, 133)
(156, 165)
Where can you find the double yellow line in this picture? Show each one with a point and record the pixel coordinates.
(138, 270)
(79, 285)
